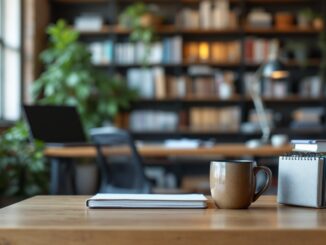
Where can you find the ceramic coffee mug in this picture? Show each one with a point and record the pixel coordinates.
(233, 183)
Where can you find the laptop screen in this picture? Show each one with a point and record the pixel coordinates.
(54, 124)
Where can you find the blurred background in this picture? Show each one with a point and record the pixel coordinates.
(181, 73)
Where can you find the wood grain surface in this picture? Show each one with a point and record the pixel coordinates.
(66, 220)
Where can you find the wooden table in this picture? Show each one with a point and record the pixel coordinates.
(63, 172)
(66, 220)
(225, 150)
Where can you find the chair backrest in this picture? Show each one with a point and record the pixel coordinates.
(120, 173)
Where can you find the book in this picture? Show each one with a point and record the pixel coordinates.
(147, 201)
(309, 145)
(301, 180)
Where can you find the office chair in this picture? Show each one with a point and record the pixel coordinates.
(120, 174)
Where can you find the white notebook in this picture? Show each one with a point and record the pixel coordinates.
(147, 201)
(301, 180)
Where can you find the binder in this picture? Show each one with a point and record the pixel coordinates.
(301, 180)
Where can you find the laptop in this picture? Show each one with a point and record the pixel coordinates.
(55, 125)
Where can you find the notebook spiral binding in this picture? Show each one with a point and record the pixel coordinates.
(303, 156)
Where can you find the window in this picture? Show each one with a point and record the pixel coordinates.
(10, 59)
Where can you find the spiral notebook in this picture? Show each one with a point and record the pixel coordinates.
(302, 180)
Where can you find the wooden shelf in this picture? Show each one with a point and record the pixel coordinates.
(292, 99)
(132, 1)
(233, 99)
(221, 133)
(183, 64)
(170, 29)
(214, 99)
(81, 1)
(290, 63)
(184, 1)
(279, 1)
(273, 30)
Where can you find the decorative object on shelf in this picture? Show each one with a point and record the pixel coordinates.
(142, 20)
(70, 79)
(88, 22)
(259, 18)
(278, 140)
(305, 18)
(299, 50)
(267, 73)
(23, 172)
(284, 20)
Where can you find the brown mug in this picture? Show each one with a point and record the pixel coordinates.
(233, 183)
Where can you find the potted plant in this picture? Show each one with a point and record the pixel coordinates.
(23, 171)
(305, 17)
(142, 20)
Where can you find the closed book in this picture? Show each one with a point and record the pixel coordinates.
(309, 145)
(147, 201)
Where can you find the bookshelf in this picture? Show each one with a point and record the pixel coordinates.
(184, 104)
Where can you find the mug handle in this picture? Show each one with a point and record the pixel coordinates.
(268, 173)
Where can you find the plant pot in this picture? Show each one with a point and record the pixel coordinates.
(150, 20)
(303, 21)
(284, 20)
(318, 23)
(86, 178)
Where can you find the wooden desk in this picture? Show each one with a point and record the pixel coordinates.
(63, 173)
(225, 150)
(66, 220)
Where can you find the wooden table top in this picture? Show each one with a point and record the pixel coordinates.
(66, 220)
(225, 150)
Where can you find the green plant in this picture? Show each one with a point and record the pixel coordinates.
(23, 171)
(70, 79)
(299, 51)
(132, 17)
(308, 13)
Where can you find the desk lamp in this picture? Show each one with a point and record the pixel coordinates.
(271, 70)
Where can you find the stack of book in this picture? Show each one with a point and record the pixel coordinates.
(153, 120)
(257, 49)
(307, 118)
(218, 52)
(88, 22)
(226, 119)
(101, 52)
(210, 15)
(316, 146)
(169, 51)
(154, 83)
(310, 87)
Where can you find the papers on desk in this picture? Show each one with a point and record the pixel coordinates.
(187, 143)
(147, 201)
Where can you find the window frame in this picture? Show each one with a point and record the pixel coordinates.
(2, 45)
(19, 50)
